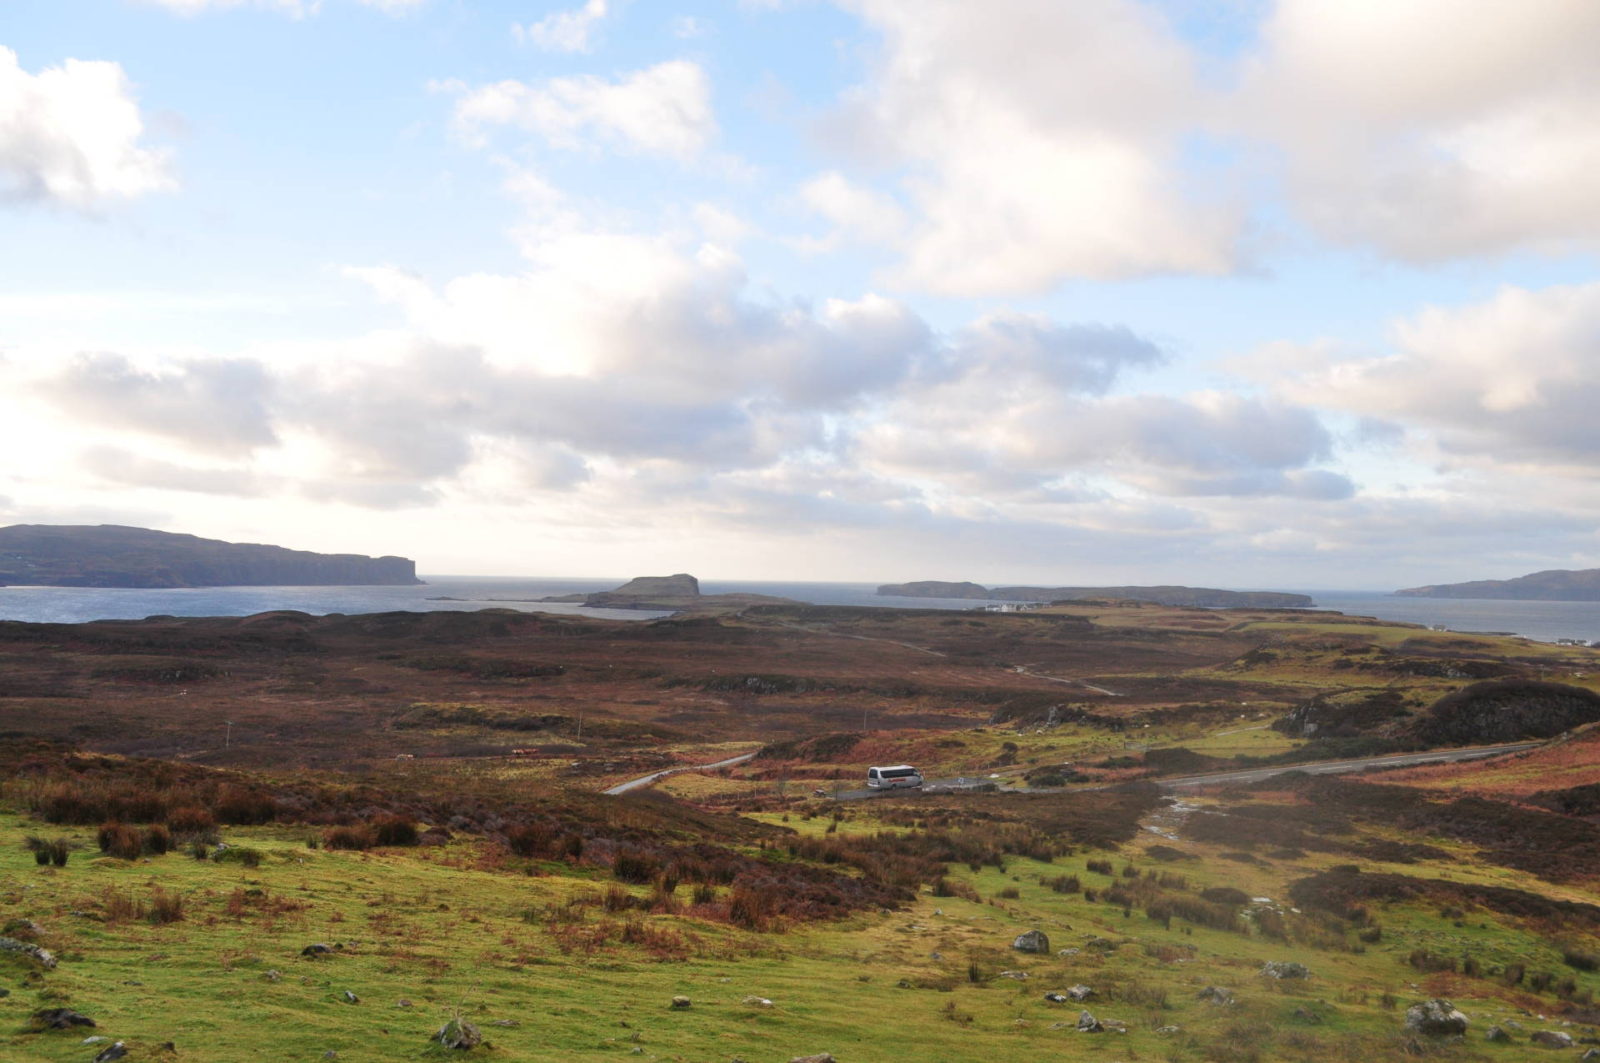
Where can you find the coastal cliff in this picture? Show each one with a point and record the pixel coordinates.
(1201, 597)
(110, 555)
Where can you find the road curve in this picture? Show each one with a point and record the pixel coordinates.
(1248, 775)
(646, 780)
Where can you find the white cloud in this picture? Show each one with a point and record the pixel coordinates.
(661, 110)
(1505, 382)
(1039, 141)
(1433, 129)
(71, 135)
(858, 214)
(564, 31)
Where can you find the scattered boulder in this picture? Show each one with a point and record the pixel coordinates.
(404, 1003)
(115, 1051)
(1089, 1024)
(1167, 1031)
(682, 1002)
(60, 1019)
(1284, 969)
(459, 1033)
(1056, 998)
(351, 998)
(1592, 1054)
(1102, 945)
(316, 949)
(1080, 992)
(1068, 952)
(1021, 976)
(1551, 1039)
(820, 1057)
(26, 948)
(1436, 1018)
(1032, 941)
(273, 975)
(753, 1001)
(1215, 995)
(1496, 1034)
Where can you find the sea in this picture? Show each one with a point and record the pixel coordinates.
(1541, 621)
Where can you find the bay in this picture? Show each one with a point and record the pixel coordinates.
(1544, 621)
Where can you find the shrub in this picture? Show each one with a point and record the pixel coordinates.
(1010, 893)
(39, 848)
(1102, 867)
(1063, 883)
(356, 837)
(395, 830)
(1580, 959)
(121, 907)
(157, 840)
(165, 907)
(634, 866)
(192, 822)
(120, 840)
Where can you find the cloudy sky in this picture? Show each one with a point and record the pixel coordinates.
(1245, 293)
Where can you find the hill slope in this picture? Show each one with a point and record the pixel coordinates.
(1552, 585)
(109, 555)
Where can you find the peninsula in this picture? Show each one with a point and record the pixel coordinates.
(1552, 585)
(1201, 597)
(110, 555)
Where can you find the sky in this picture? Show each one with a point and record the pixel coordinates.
(1242, 293)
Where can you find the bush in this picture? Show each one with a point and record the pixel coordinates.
(634, 866)
(395, 830)
(1063, 883)
(357, 837)
(1580, 959)
(157, 840)
(120, 840)
(165, 907)
(193, 823)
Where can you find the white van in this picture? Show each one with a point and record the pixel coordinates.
(894, 775)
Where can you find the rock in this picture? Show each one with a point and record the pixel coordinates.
(1032, 941)
(273, 975)
(1080, 992)
(4, 992)
(1167, 1031)
(330, 1054)
(404, 1003)
(116, 1051)
(60, 1019)
(1056, 998)
(1495, 1033)
(1068, 952)
(1021, 976)
(26, 948)
(97, 1039)
(1215, 995)
(1284, 969)
(317, 949)
(1551, 1039)
(509, 1024)
(459, 1033)
(820, 1057)
(1088, 1023)
(1100, 945)
(351, 998)
(1592, 1054)
(682, 1002)
(756, 1002)
(1436, 1018)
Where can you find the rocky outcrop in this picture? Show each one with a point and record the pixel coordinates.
(108, 555)
(1436, 1018)
(1032, 941)
(1199, 597)
(677, 592)
(1552, 585)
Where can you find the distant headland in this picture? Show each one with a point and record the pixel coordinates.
(110, 555)
(1551, 585)
(1200, 597)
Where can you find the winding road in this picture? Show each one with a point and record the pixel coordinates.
(655, 776)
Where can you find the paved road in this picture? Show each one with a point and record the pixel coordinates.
(646, 780)
(1318, 767)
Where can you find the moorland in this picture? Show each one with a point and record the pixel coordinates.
(296, 837)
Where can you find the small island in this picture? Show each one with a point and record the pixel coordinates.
(111, 555)
(1198, 597)
(679, 592)
(1551, 585)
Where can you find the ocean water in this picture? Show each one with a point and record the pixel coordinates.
(1545, 621)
